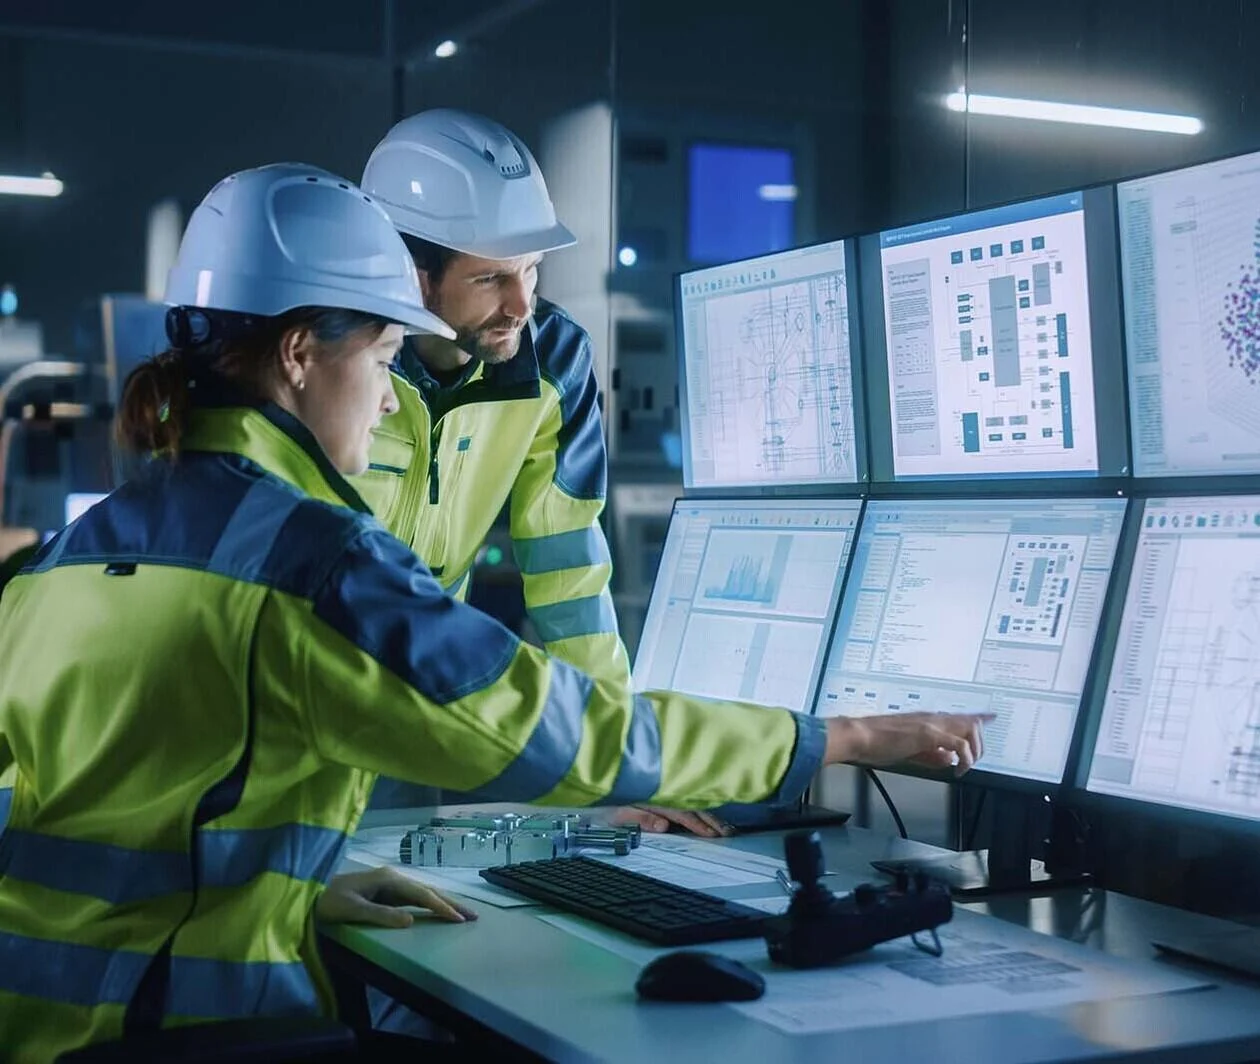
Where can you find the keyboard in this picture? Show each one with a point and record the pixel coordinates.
(629, 901)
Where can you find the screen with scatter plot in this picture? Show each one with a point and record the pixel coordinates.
(1190, 256)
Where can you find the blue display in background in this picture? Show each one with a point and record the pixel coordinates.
(730, 216)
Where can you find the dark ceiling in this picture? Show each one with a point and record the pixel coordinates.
(335, 29)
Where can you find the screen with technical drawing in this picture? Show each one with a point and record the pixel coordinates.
(744, 599)
(993, 344)
(767, 381)
(977, 606)
(1190, 249)
(1180, 722)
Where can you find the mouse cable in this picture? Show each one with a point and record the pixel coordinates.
(883, 791)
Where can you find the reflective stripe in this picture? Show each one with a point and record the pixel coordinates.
(300, 851)
(6, 800)
(565, 550)
(245, 545)
(552, 746)
(123, 875)
(566, 620)
(640, 774)
(807, 758)
(88, 975)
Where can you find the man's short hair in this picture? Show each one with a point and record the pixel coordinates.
(430, 257)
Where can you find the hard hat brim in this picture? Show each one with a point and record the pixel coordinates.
(509, 247)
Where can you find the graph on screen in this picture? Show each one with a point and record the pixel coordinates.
(1181, 717)
(744, 599)
(769, 387)
(1190, 255)
(989, 345)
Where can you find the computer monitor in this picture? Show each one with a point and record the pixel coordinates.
(79, 502)
(767, 378)
(1188, 242)
(745, 597)
(980, 605)
(1178, 727)
(994, 344)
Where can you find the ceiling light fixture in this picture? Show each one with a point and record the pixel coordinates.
(47, 185)
(446, 49)
(1074, 113)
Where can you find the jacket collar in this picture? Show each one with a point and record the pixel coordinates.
(223, 421)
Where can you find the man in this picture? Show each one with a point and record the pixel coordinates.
(507, 413)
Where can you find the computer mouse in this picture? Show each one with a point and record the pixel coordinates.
(696, 975)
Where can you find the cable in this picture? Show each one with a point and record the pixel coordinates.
(969, 842)
(879, 786)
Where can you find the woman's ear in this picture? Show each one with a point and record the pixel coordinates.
(297, 350)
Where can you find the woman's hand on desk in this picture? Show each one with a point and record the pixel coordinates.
(934, 740)
(374, 898)
(656, 819)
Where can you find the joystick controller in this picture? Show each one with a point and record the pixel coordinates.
(820, 928)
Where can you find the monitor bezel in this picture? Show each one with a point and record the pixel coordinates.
(984, 777)
(1077, 790)
(782, 488)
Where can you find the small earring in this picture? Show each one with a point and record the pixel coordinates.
(301, 384)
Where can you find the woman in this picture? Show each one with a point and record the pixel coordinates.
(240, 649)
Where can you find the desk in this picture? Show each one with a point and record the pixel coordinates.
(561, 998)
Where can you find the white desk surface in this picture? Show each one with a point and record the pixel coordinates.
(569, 1000)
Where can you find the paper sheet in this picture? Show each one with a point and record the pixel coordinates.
(694, 863)
(989, 966)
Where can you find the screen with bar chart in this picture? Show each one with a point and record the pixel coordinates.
(1180, 722)
(977, 606)
(744, 599)
(993, 328)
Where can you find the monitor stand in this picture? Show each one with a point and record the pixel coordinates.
(1008, 865)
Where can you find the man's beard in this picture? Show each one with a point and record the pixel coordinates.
(474, 343)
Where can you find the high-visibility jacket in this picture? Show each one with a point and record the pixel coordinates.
(526, 432)
(199, 681)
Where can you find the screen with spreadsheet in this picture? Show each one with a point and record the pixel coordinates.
(1190, 251)
(767, 380)
(977, 606)
(1180, 722)
(998, 343)
(744, 599)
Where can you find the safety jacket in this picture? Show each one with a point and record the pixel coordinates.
(526, 431)
(199, 681)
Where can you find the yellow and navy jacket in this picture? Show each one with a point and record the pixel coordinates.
(527, 433)
(199, 682)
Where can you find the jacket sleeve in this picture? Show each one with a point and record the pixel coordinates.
(556, 503)
(401, 679)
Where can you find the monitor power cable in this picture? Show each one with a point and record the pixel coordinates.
(883, 793)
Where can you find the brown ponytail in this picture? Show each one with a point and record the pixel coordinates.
(153, 412)
(244, 349)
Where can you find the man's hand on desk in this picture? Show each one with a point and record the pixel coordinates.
(934, 740)
(374, 898)
(656, 819)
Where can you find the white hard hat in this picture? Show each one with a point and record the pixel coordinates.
(277, 237)
(465, 182)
